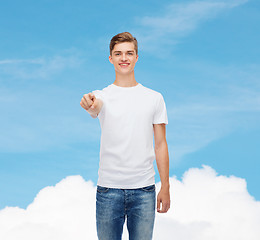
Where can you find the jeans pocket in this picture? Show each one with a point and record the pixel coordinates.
(102, 189)
(150, 188)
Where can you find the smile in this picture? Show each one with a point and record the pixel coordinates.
(124, 64)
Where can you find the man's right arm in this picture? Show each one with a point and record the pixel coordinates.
(94, 113)
(91, 104)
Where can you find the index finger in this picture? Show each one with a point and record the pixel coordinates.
(92, 96)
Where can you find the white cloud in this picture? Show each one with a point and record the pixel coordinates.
(207, 206)
(64, 211)
(39, 68)
(204, 206)
(194, 125)
(16, 61)
(178, 20)
(226, 99)
(184, 17)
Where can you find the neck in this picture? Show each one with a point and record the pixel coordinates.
(125, 80)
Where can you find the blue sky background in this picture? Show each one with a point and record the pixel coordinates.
(203, 56)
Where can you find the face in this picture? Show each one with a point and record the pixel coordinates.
(124, 58)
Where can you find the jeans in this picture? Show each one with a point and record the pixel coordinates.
(113, 205)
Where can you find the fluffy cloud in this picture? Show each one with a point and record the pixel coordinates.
(65, 211)
(204, 206)
(207, 206)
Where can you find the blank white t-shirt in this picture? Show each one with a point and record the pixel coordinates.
(126, 145)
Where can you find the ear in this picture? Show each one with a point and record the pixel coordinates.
(110, 59)
(136, 58)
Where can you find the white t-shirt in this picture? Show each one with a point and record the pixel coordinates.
(126, 146)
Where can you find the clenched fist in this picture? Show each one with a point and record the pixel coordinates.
(91, 104)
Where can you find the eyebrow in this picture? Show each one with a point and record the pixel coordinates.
(126, 51)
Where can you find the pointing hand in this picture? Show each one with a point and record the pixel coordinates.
(91, 104)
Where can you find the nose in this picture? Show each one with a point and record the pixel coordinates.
(123, 57)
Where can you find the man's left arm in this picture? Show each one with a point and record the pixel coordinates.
(162, 160)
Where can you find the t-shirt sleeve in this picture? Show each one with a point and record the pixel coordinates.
(160, 114)
(99, 94)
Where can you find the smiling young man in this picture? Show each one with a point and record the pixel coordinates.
(130, 114)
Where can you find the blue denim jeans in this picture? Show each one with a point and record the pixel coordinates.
(113, 205)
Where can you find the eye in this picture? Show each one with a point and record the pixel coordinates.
(130, 53)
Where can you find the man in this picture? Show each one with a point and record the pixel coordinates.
(129, 115)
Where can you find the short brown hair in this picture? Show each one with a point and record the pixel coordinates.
(123, 37)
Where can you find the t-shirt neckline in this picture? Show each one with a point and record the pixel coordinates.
(128, 88)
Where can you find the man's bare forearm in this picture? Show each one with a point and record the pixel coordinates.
(162, 160)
